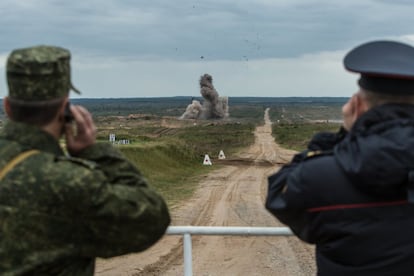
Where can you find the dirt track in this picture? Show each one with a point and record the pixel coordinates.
(231, 196)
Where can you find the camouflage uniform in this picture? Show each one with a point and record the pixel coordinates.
(58, 213)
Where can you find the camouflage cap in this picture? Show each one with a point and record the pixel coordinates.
(39, 73)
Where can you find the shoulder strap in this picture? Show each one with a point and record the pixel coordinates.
(314, 153)
(16, 160)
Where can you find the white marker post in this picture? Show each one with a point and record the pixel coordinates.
(207, 160)
(221, 155)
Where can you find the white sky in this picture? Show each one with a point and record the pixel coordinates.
(137, 48)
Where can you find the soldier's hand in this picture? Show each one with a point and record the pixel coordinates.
(85, 134)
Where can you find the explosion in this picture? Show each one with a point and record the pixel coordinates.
(214, 107)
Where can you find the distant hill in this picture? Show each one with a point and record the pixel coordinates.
(175, 106)
(187, 99)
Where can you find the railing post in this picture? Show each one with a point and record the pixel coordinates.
(186, 231)
(188, 262)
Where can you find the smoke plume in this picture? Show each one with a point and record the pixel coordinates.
(213, 107)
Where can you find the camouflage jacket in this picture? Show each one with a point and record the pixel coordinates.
(58, 213)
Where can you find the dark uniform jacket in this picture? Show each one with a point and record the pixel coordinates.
(58, 213)
(352, 195)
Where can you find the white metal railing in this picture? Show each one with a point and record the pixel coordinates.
(187, 231)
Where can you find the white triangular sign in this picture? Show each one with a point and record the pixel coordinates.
(221, 155)
(207, 160)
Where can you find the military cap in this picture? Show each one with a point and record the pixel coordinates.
(385, 67)
(39, 73)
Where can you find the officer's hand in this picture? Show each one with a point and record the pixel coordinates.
(84, 135)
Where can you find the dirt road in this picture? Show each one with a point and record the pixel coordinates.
(231, 196)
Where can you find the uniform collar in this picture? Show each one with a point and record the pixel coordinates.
(31, 137)
(383, 117)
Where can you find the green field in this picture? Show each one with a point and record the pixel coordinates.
(297, 135)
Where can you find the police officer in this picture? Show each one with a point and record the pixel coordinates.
(59, 212)
(351, 193)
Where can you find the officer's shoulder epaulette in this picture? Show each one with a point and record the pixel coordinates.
(79, 161)
(315, 153)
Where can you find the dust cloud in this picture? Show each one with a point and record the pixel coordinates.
(213, 107)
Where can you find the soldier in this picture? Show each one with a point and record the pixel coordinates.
(59, 212)
(352, 193)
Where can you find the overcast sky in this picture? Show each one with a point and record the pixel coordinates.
(134, 48)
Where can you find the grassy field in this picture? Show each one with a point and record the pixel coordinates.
(296, 122)
(297, 135)
(306, 113)
(169, 168)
